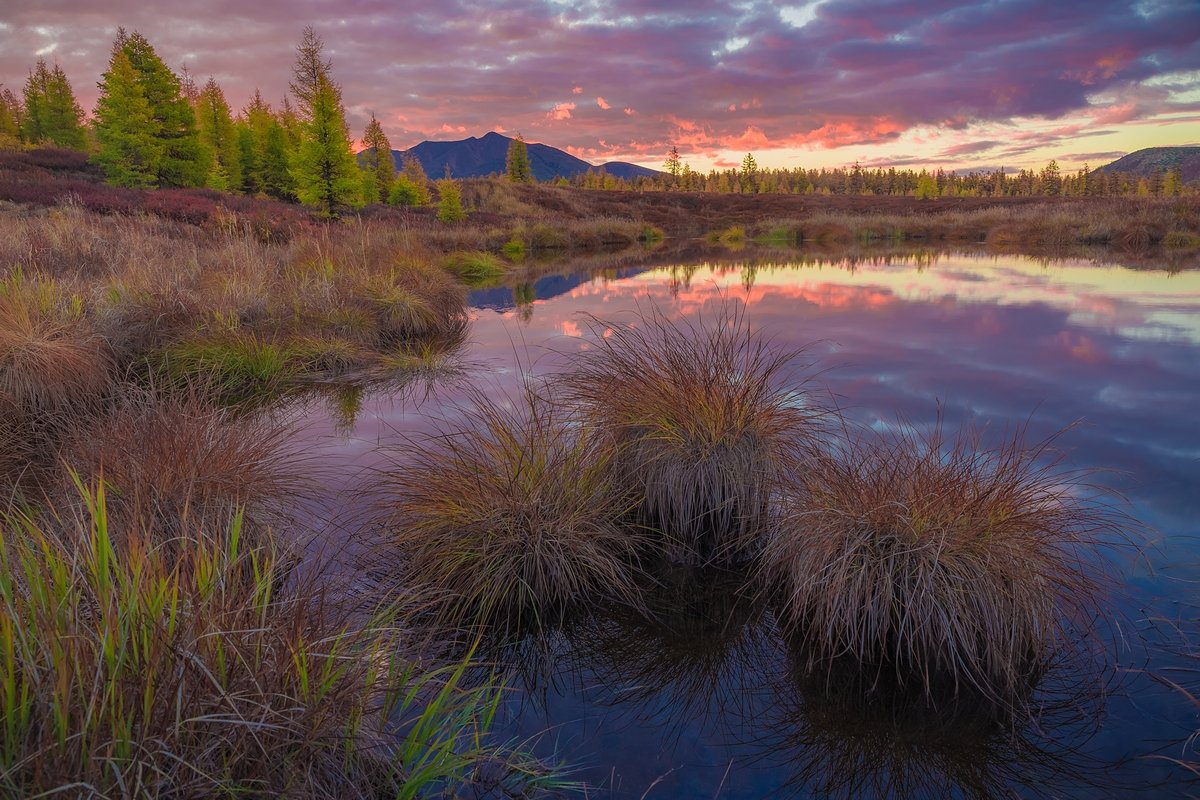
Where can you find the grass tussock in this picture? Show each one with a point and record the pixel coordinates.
(939, 564)
(51, 360)
(128, 669)
(512, 517)
(705, 421)
(170, 459)
(476, 268)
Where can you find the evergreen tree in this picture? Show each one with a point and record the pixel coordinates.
(516, 164)
(275, 174)
(52, 114)
(749, 174)
(310, 71)
(449, 202)
(325, 170)
(128, 152)
(11, 113)
(674, 164)
(411, 187)
(1172, 186)
(214, 123)
(247, 157)
(378, 161)
(181, 159)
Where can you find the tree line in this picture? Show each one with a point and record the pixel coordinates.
(1050, 181)
(154, 128)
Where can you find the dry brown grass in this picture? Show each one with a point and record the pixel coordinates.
(51, 361)
(511, 516)
(939, 564)
(172, 459)
(706, 419)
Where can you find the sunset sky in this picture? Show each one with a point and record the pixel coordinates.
(1008, 83)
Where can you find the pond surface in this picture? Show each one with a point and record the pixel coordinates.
(705, 702)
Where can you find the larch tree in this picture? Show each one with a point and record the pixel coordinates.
(450, 202)
(325, 170)
(674, 163)
(411, 187)
(53, 116)
(11, 112)
(214, 123)
(182, 160)
(128, 150)
(516, 164)
(377, 160)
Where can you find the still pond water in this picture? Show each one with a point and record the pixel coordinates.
(705, 702)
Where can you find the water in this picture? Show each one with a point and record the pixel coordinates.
(705, 701)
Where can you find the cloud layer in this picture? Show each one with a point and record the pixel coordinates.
(629, 78)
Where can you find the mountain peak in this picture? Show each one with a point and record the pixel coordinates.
(477, 157)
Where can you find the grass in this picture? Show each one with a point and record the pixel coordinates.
(51, 360)
(206, 670)
(705, 420)
(510, 518)
(476, 268)
(938, 564)
(169, 459)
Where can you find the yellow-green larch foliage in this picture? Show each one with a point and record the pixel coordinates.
(11, 112)
(378, 162)
(516, 164)
(128, 149)
(52, 115)
(215, 124)
(449, 202)
(324, 167)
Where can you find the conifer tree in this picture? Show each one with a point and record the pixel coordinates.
(214, 123)
(378, 161)
(247, 157)
(275, 174)
(129, 152)
(52, 114)
(325, 169)
(516, 164)
(674, 164)
(411, 187)
(10, 119)
(182, 160)
(449, 202)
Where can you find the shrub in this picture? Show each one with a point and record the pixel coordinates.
(511, 519)
(407, 193)
(939, 565)
(704, 423)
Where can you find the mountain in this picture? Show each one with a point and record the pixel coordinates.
(1145, 163)
(476, 157)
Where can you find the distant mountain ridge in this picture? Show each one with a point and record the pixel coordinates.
(1146, 162)
(476, 157)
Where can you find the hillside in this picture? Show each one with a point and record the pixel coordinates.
(1145, 163)
(485, 155)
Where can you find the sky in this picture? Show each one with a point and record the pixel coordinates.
(934, 84)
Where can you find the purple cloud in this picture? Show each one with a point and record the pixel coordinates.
(707, 76)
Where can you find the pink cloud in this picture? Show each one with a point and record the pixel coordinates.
(561, 111)
(600, 101)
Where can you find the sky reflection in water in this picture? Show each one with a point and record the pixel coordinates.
(997, 340)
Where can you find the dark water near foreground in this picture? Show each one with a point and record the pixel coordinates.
(705, 702)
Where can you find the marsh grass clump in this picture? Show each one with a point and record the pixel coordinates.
(52, 363)
(171, 458)
(704, 420)
(510, 517)
(130, 668)
(476, 268)
(941, 565)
